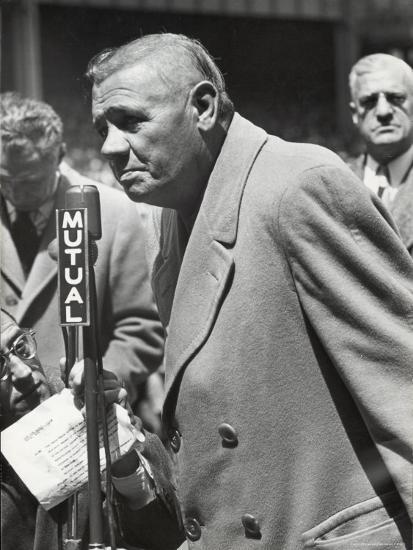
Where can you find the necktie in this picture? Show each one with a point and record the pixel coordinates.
(25, 238)
(384, 190)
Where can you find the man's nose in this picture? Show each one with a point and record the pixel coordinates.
(115, 143)
(384, 109)
(20, 370)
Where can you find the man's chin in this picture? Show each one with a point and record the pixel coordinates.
(388, 135)
(136, 193)
(390, 144)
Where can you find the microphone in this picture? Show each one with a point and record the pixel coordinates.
(86, 196)
(82, 196)
(78, 225)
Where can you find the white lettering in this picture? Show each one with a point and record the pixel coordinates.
(76, 280)
(73, 252)
(70, 319)
(76, 242)
(74, 296)
(76, 221)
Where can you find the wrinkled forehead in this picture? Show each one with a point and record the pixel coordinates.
(26, 162)
(386, 78)
(143, 84)
(140, 79)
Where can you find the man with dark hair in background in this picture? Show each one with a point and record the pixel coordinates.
(381, 88)
(34, 181)
(287, 297)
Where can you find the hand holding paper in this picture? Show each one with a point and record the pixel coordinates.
(51, 456)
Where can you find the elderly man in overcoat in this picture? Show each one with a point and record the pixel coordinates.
(287, 296)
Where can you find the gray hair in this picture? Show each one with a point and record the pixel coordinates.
(28, 125)
(168, 51)
(376, 62)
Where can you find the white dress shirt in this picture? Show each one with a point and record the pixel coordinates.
(398, 170)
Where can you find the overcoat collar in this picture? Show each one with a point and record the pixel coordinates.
(402, 210)
(44, 269)
(223, 195)
(402, 207)
(203, 271)
(357, 165)
(10, 262)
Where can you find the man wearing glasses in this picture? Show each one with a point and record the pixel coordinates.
(23, 382)
(381, 88)
(23, 385)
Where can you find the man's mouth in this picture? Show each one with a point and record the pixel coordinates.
(129, 176)
(31, 391)
(386, 128)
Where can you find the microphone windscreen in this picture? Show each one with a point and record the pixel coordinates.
(86, 196)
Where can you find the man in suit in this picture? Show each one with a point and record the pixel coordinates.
(381, 88)
(287, 297)
(34, 182)
(25, 525)
(23, 385)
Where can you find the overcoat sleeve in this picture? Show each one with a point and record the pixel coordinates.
(354, 279)
(158, 525)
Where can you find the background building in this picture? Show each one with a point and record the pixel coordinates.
(286, 61)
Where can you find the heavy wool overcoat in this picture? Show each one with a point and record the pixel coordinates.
(401, 208)
(289, 355)
(131, 334)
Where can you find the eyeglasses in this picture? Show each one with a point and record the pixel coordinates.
(394, 99)
(24, 347)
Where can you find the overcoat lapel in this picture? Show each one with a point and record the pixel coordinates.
(44, 269)
(11, 266)
(357, 165)
(402, 207)
(402, 210)
(208, 263)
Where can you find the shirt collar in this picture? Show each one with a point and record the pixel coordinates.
(398, 167)
(41, 215)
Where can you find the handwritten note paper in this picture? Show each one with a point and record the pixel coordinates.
(47, 447)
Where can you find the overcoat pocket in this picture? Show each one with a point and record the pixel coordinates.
(378, 523)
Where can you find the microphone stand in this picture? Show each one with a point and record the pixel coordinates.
(71, 542)
(82, 217)
(92, 422)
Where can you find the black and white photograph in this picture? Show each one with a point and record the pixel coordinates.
(206, 274)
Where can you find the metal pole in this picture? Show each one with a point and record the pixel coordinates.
(92, 429)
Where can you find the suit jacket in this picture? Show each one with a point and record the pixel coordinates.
(402, 207)
(131, 334)
(25, 525)
(289, 354)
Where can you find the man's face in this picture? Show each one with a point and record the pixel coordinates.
(26, 386)
(150, 136)
(383, 112)
(28, 180)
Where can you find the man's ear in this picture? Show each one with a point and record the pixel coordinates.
(354, 115)
(204, 97)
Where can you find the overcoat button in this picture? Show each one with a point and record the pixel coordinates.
(192, 529)
(175, 440)
(251, 526)
(11, 300)
(229, 435)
